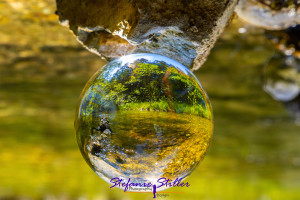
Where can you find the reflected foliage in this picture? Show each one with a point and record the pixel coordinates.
(145, 85)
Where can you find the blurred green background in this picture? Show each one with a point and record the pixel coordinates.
(255, 151)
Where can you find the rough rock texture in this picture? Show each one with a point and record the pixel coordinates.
(182, 30)
(270, 14)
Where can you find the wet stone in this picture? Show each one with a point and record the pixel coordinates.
(182, 30)
(270, 14)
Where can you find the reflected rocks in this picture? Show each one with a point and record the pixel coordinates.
(282, 82)
(283, 78)
(182, 30)
(270, 14)
(280, 19)
(283, 91)
(103, 126)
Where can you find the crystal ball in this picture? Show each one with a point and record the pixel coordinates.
(143, 117)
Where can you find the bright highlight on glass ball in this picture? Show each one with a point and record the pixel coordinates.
(143, 117)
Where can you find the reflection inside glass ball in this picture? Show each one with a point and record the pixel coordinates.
(282, 77)
(143, 117)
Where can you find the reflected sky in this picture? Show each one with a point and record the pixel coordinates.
(127, 60)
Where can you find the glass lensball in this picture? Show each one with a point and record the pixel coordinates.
(143, 117)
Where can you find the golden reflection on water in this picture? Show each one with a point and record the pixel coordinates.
(145, 146)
